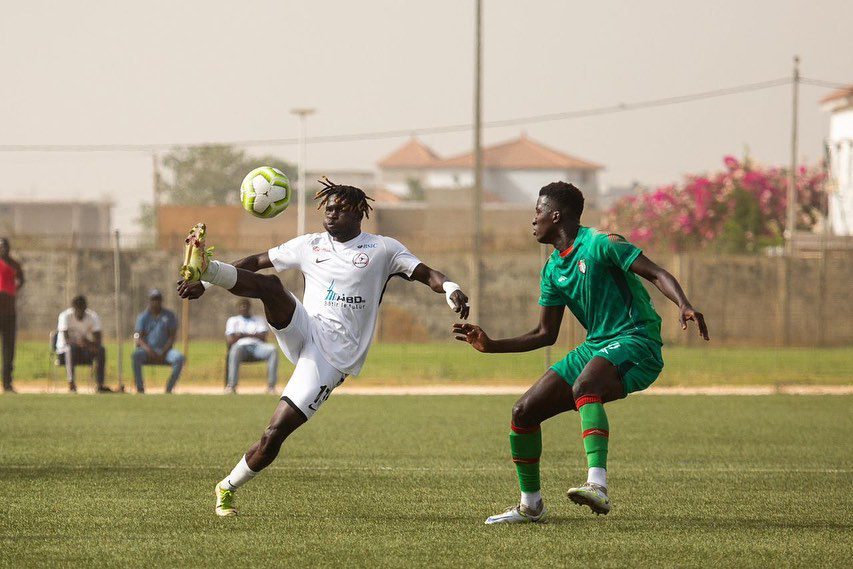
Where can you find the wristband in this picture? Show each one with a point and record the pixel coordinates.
(449, 288)
(206, 285)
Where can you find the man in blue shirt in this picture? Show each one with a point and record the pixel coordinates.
(156, 329)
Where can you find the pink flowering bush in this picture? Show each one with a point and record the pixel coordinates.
(738, 209)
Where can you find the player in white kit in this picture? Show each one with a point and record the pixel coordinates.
(328, 334)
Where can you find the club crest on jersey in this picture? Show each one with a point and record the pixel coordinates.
(360, 260)
(582, 266)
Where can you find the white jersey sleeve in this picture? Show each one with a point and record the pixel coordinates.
(401, 260)
(62, 321)
(289, 255)
(231, 325)
(96, 321)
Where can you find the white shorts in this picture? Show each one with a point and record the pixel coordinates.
(314, 378)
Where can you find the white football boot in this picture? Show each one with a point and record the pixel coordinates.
(592, 495)
(519, 514)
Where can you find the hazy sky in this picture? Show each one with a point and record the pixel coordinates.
(205, 71)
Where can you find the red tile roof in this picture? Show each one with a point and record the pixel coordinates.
(413, 154)
(839, 94)
(523, 153)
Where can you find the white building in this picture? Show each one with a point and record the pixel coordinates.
(840, 145)
(513, 171)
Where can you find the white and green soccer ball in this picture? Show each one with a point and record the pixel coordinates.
(265, 192)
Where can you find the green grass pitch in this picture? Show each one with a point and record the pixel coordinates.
(408, 481)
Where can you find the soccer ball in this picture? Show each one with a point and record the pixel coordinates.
(265, 192)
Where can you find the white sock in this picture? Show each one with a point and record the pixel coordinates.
(597, 475)
(530, 499)
(221, 274)
(239, 476)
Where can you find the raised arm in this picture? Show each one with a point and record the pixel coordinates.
(668, 285)
(439, 283)
(545, 334)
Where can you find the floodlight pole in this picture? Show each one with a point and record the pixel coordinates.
(791, 210)
(303, 151)
(477, 205)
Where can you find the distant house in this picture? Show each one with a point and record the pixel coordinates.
(407, 166)
(840, 146)
(513, 171)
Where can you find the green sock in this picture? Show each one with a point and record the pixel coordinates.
(596, 430)
(526, 446)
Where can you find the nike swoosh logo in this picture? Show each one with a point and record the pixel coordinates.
(322, 260)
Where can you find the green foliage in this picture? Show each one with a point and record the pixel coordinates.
(210, 175)
(416, 190)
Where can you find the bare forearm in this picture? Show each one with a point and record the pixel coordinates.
(254, 263)
(533, 340)
(669, 286)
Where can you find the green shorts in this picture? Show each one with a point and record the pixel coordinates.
(637, 359)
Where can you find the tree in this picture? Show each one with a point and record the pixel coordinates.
(739, 209)
(210, 174)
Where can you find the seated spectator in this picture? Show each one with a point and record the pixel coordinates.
(79, 342)
(245, 335)
(156, 329)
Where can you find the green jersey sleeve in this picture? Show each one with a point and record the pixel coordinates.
(549, 295)
(617, 251)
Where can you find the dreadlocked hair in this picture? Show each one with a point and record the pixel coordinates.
(351, 198)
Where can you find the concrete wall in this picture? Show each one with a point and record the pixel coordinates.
(743, 298)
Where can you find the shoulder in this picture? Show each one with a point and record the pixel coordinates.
(389, 243)
(92, 314)
(65, 314)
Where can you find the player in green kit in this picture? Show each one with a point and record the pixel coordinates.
(595, 275)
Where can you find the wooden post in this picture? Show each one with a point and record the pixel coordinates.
(783, 313)
(117, 307)
(185, 327)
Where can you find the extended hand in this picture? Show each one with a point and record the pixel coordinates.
(190, 290)
(460, 304)
(472, 334)
(688, 313)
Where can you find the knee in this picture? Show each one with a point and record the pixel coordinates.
(271, 285)
(585, 385)
(522, 415)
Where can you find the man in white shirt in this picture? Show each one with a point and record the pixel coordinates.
(328, 334)
(79, 342)
(245, 335)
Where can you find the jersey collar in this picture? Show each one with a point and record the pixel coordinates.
(567, 252)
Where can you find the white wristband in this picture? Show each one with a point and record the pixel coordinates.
(206, 285)
(449, 288)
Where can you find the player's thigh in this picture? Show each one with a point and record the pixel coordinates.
(279, 303)
(601, 378)
(293, 338)
(637, 361)
(549, 396)
(312, 382)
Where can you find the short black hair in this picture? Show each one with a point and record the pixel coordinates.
(567, 197)
(351, 198)
(79, 300)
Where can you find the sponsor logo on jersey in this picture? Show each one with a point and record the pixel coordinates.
(315, 241)
(367, 246)
(563, 278)
(335, 298)
(360, 260)
(318, 260)
(582, 266)
(323, 249)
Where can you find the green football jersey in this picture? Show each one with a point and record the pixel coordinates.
(593, 279)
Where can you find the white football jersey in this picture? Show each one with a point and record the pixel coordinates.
(344, 283)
